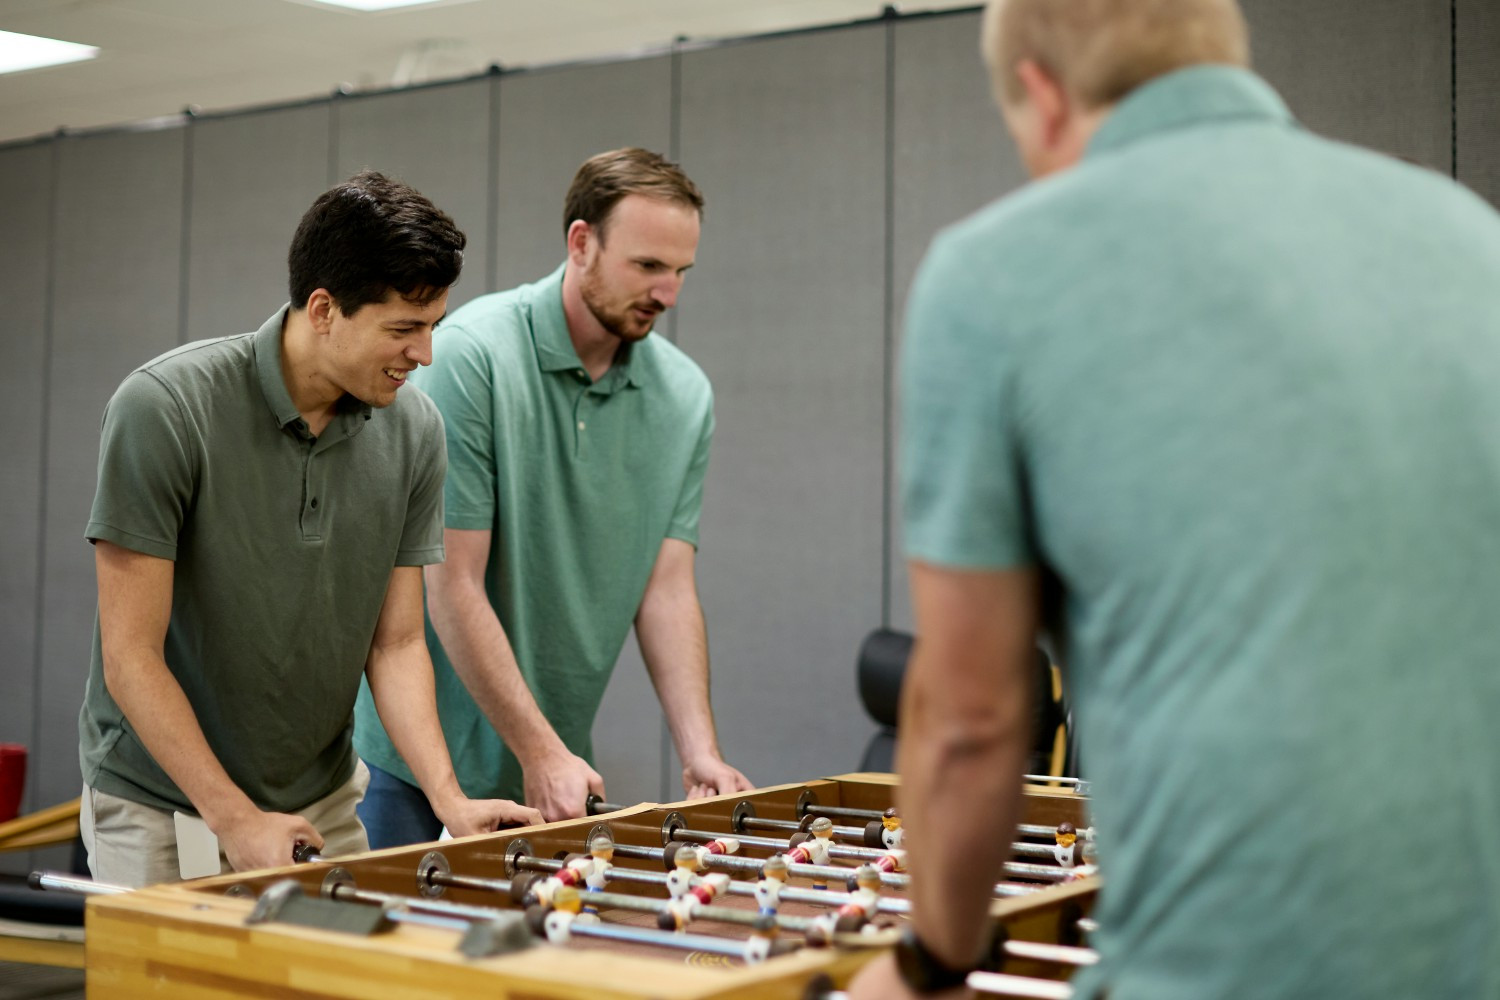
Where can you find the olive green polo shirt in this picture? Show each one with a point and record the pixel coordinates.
(1234, 390)
(283, 546)
(580, 482)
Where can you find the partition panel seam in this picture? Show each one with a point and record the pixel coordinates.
(185, 243)
(674, 153)
(888, 332)
(48, 317)
(492, 236)
(333, 139)
(1453, 87)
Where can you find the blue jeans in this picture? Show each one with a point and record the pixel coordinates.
(396, 814)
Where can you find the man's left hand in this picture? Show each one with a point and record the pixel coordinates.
(711, 776)
(463, 817)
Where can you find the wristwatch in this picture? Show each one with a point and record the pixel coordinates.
(921, 970)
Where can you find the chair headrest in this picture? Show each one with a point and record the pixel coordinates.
(882, 664)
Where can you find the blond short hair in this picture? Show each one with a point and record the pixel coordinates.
(1101, 50)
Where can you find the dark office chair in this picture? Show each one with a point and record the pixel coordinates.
(881, 667)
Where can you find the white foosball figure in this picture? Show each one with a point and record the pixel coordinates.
(891, 833)
(772, 881)
(1066, 848)
(684, 874)
(595, 868)
(762, 936)
(867, 894)
(821, 841)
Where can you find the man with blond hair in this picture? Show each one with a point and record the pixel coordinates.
(1213, 404)
(578, 441)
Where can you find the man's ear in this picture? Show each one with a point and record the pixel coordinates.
(1053, 108)
(321, 309)
(580, 236)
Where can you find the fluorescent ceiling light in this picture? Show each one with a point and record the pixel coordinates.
(372, 5)
(18, 52)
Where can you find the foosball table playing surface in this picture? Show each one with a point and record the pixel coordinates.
(652, 901)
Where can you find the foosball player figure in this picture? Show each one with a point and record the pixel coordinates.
(1065, 850)
(864, 890)
(685, 866)
(773, 879)
(762, 936)
(812, 847)
(688, 889)
(566, 907)
(890, 829)
(595, 868)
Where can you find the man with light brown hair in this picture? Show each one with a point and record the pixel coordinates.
(1212, 403)
(578, 442)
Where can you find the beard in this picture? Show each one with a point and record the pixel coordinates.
(621, 320)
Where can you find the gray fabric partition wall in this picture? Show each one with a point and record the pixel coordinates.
(26, 176)
(1375, 72)
(550, 122)
(250, 179)
(1477, 98)
(951, 156)
(436, 139)
(787, 318)
(828, 158)
(116, 293)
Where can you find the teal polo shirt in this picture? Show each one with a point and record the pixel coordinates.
(579, 482)
(282, 547)
(1235, 391)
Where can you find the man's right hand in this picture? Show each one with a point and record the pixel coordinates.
(265, 839)
(558, 786)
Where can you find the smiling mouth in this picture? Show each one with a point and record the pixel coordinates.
(397, 374)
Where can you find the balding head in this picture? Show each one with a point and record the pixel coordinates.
(1100, 50)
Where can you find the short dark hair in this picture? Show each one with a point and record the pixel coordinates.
(369, 235)
(608, 177)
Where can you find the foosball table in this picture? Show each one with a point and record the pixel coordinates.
(660, 900)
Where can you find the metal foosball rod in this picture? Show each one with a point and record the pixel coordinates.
(868, 837)
(825, 873)
(847, 852)
(791, 894)
(732, 863)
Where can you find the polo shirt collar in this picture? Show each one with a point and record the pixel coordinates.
(554, 345)
(1188, 97)
(267, 349)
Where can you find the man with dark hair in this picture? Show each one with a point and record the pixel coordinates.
(578, 442)
(265, 505)
(1214, 402)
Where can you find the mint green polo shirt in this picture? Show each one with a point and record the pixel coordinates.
(579, 482)
(1235, 391)
(282, 547)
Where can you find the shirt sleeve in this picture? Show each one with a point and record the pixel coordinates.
(422, 536)
(962, 465)
(684, 523)
(461, 382)
(147, 469)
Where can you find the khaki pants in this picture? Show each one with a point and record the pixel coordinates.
(135, 845)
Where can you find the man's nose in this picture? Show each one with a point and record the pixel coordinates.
(665, 292)
(421, 350)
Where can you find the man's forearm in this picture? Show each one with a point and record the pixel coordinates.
(959, 796)
(402, 685)
(157, 709)
(481, 655)
(674, 644)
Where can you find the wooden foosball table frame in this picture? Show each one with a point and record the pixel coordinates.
(192, 939)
